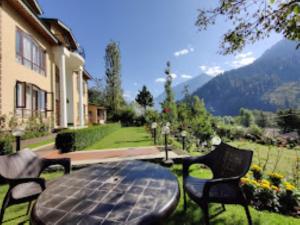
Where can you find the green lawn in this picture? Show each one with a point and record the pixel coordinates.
(124, 137)
(287, 157)
(42, 143)
(234, 215)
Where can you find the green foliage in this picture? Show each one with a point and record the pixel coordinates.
(96, 96)
(289, 120)
(113, 91)
(5, 145)
(252, 22)
(246, 117)
(151, 116)
(144, 98)
(200, 120)
(169, 108)
(36, 127)
(74, 140)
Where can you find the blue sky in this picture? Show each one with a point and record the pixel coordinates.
(149, 34)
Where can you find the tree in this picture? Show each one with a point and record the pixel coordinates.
(246, 117)
(201, 122)
(169, 104)
(253, 20)
(96, 93)
(289, 120)
(144, 98)
(113, 90)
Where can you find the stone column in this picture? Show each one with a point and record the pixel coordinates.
(81, 114)
(63, 91)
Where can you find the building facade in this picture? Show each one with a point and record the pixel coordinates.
(41, 67)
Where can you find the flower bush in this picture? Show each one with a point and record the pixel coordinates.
(270, 192)
(257, 171)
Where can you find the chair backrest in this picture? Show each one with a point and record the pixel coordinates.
(22, 164)
(227, 161)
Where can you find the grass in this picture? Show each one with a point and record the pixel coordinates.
(41, 143)
(124, 137)
(287, 157)
(234, 215)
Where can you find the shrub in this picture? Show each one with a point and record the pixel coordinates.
(264, 195)
(73, 140)
(6, 145)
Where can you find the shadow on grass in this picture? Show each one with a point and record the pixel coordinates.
(127, 142)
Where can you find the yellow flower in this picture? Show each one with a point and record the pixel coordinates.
(265, 186)
(266, 182)
(275, 188)
(289, 186)
(276, 175)
(256, 168)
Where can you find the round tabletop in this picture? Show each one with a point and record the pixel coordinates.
(128, 192)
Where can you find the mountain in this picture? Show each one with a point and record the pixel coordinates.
(269, 83)
(193, 84)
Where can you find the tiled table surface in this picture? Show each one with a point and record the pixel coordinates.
(130, 192)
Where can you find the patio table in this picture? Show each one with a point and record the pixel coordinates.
(128, 192)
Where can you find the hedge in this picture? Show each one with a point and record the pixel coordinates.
(6, 146)
(74, 140)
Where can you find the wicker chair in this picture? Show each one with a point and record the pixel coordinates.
(228, 165)
(21, 172)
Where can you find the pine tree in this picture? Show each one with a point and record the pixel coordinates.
(169, 105)
(144, 98)
(114, 92)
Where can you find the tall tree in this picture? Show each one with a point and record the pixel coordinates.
(169, 104)
(201, 121)
(144, 98)
(114, 92)
(253, 20)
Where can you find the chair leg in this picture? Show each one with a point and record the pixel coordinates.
(28, 208)
(205, 210)
(184, 200)
(4, 206)
(248, 214)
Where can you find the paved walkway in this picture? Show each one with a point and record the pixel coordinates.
(97, 156)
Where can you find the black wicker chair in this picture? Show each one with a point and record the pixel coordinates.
(228, 165)
(21, 172)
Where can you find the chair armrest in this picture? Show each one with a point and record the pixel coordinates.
(187, 162)
(214, 182)
(14, 182)
(65, 162)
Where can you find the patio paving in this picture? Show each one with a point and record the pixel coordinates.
(109, 155)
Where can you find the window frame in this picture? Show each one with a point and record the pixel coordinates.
(41, 53)
(23, 106)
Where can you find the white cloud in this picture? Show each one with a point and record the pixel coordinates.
(127, 95)
(160, 80)
(242, 59)
(186, 76)
(212, 70)
(184, 51)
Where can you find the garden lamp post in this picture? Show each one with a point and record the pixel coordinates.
(183, 136)
(166, 132)
(154, 127)
(216, 140)
(18, 133)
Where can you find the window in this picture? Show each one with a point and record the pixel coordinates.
(20, 95)
(29, 53)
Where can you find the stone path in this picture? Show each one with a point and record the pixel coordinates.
(97, 156)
